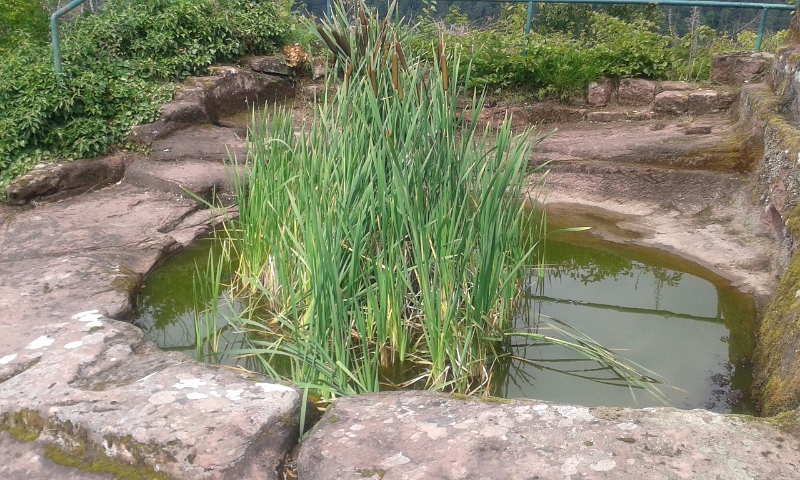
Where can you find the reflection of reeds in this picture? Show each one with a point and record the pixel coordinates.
(386, 231)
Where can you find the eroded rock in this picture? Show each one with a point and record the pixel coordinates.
(422, 435)
(206, 99)
(95, 388)
(267, 64)
(671, 102)
(47, 183)
(599, 93)
(703, 101)
(738, 68)
(636, 92)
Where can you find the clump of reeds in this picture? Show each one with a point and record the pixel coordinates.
(388, 231)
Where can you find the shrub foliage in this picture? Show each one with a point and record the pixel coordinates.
(117, 65)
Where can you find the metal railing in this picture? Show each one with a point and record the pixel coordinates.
(765, 7)
(54, 31)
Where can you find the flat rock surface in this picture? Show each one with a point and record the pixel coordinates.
(202, 142)
(183, 178)
(662, 142)
(645, 179)
(74, 377)
(701, 216)
(421, 435)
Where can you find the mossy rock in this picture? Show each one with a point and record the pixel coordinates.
(777, 385)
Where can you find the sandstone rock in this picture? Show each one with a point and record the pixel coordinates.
(670, 86)
(207, 180)
(663, 144)
(703, 101)
(48, 183)
(75, 378)
(671, 102)
(424, 435)
(641, 116)
(202, 142)
(698, 130)
(23, 462)
(636, 91)
(599, 93)
(784, 68)
(554, 113)
(606, 116)
(206, 99)
(267, 64)
(531, 114)
(519, 116)
(726, 98)
(738, 68)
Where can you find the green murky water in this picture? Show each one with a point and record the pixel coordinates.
(669, 315)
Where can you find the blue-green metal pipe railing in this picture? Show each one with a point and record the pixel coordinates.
(54, 31)
(765, 7)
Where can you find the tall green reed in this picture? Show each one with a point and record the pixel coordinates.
(387, 231)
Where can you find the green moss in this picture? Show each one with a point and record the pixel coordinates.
(25, 425)
(100, 463)
(793, 221)
(777, 385)
(788, 422)
(372, 472)
(484, 399)
(81, 453)
(488, 399)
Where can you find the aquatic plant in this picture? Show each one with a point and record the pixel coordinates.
(389, 231)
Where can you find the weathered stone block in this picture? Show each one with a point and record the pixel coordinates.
(704, 101)
(205, 99)
(698, 130)
(599, 93)
(267, 64)
(726, 98)
(671, 102)
(738, 68)
(636, 91)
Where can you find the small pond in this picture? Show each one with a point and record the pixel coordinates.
(671, 316)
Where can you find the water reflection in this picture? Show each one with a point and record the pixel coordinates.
(697, 334)
(668, 315)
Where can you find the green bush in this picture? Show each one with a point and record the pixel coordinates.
(22, 19)
(566, 58)
(117, 65)
(628, 49)
(557, 62)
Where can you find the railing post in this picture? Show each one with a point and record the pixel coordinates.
(761, 29)
(54, 31)
(530, 18)
(528, 22)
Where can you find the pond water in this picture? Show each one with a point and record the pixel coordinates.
(682, 322)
